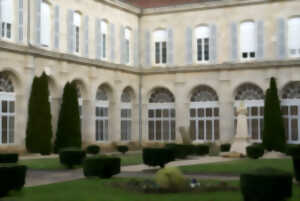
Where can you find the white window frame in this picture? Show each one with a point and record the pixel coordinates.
(293, 37)
(7, 18)
(8, 96)
(160, 39)
(248, 41)
(45, 23)
(77, 25)
(102, 105)
(126, 135)
(202, 33)
(127, 46)
(103, 35)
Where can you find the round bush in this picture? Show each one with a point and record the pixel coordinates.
(12, 177)
(93, 149)
(225, 147)
(122, 148)
(201, 149)
(9, 157)
(71, 157)
(170, 178)
(101, 166)
(294, 151)
(157, 156)
(255, 151)
(266, 185)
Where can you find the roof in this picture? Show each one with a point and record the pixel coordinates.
(162, 3)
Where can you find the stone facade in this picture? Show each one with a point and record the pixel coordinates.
(21, 58)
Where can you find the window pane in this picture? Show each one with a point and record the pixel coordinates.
(4, 106)
(200, 112)
(193, 129)
(201, 130)
(216, 129)
(165, 113)
(150, 113)
(208, 112)
(294, 129)
(294, 110)
(173, 112)
(151, 130)
(158, 130)
(166, 130)
(216, 112)
(209, 130)
(11, 129)
(164, 52)
(206, 49)
(158, 113)
(173, 130)
(255, 129)
(157, 53)
(4, 130)
(254, 111)
(199, 49)
(192, 112)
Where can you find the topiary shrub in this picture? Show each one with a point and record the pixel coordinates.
(157, 156)
(294, 151)
(122, 148)
(12, 177)
(9, 157)
(225, 147)
(101, 166)
(201, 149)
(266, 185)
(171, 179)
(71, 157)
(93, 149)
(255, 151)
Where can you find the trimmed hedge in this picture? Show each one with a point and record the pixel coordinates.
(9, 157)
(225, 147)
(93, 149)
(122, 148)
(201, 149)
(71, 157)
(255, 151)
(294, 151)
(181, 150)
(101, 166)
(266, 185)
(157, 156)
(12, 177)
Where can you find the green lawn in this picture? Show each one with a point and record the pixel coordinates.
(54, 164)
(239, 166)
(96, 189)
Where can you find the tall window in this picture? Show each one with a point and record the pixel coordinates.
(103, 25)
(161, 116)
(45, 24)
(127, 45)
(204, 114)
(247, 40)
(102, 105)
(202, 43)
(290, 106)
(77, 24)
(293, 37)
(7, 18)
(160, 41)
(253, 98)
(7, 110)
(126, 115)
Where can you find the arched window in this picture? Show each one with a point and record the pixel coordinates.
(126, 114)
(253, 98)
(204, 114)
(293, 37)
(202, 35)
(247, 40)
(127, 45)
(7, 112)
(290, 106)
(102, 117)
(6, 18)
(77, 24)
(161, 116)
(103, 29)
(45, 23)
(160, 42)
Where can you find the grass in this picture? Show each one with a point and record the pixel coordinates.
(54, 164)
(237, 167)
(96, 189)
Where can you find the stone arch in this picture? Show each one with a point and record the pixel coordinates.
(203, 93)
(291, 90)
(248, 91)
(104, 92)
(161, 95)
(127, 95)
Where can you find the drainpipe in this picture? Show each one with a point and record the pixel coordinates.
(140, 85)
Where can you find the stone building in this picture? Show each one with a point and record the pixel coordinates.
(145, 68)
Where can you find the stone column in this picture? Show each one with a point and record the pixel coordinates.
(88, 121)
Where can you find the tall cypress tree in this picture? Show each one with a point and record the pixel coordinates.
(273, 133)
(68, 129)
(39, 129)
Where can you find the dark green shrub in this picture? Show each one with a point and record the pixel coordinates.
(101, 166)
(294, 151)
(68, 132)
(201, 149)
(122, 148)
(12, 177)
(266, 185)
(93, 149)
(225, 147)
(157, 156)
(71, 157)
(9, 157)
(255, 151)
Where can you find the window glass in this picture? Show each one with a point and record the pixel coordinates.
(6, 18)
(202, 34)
(293, 37)
(160, 41)
(45, 24)
(247, 40)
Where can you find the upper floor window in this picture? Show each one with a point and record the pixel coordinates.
(202, 43)
(7, 18)
(127, 45)
(103, 25)
(247, 40)
(77, 23)
(160, 41)
(293, 37)
(45, 24)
